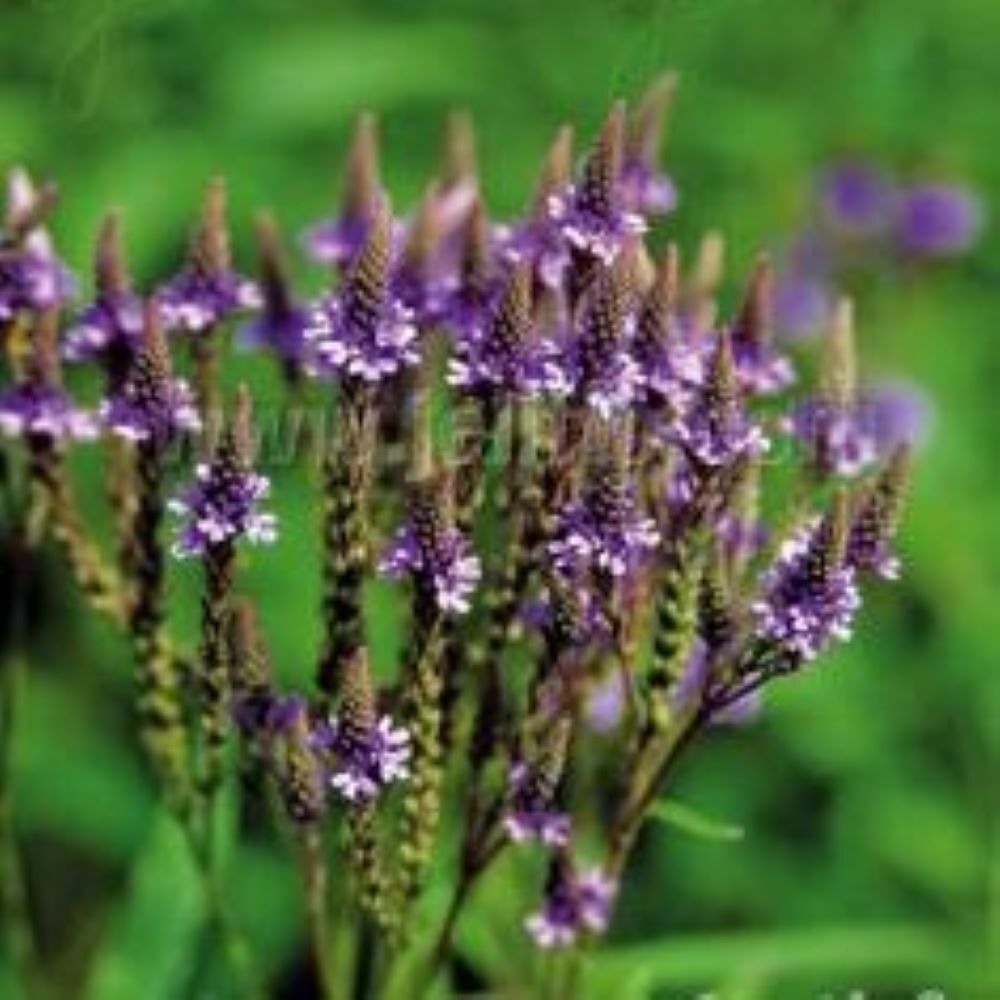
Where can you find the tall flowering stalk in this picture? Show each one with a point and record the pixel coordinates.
(577, 532)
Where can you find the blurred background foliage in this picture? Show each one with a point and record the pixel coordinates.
(868, 791)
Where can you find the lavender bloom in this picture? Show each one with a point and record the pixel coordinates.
(34, 410)
(574, 904)
(605, 533)
(605, 706)
(759, 368)
(107, 324)
(810, 595)
(715, 429)
(32, 278)
(529, 814)
(899, 413)
(220, 507)
(366, 760)
(856, 198)
(802, 303)
(937, 220)
(840, 436)
(591, 215)
(361, 331)
(207, 290)
(439, 558)
(646, 190)
(195, 301)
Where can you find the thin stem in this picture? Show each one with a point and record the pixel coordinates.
(314, 884)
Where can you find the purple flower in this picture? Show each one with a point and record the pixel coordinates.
(439, 558)
(361, 331)
(692, 686)
(857, 198)
(529, 814)
(809, 596)
(110, 323)
(366, 760)
(840, 436)
(574, 904)
(802, 303)
(336, 241)
(32, 278)
(646, 190)
(195, 300)
(221, 507)
(937, 220)
(605, 705)
(606, 533)
(715, 429)
(898, 413)
(34, 410)
(150, 405)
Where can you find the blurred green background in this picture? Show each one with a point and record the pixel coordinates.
(869, 790)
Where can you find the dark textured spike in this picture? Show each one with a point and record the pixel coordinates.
(475, 260)
(44, 364)
(829, 545)
(357, 708)
(368, 281)
(556, 170)
(110, 271)
(716, 622)
(879, 508)
(424, 232)
(648, 123)
(248, 657)
(300, 776)
(606, 309)
(362, 189)
(602, 168)
(660, 302)
(754, 322)
(720, 394)
(511, 325)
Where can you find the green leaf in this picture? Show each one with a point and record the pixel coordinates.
(150, 944)
(690, 820)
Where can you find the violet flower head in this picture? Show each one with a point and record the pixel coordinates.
(599, 369)
(110, 328)
(222, 505)
(809, 594)
(531, 789)
(150, 404)
(899, 413)
(605, 533)
(282, 323)
(361, 332)
(435, 554)
(876, 519)
(337, 241)
(502, 359)
(645, 187)
(937, 220)
(36, 407)
(591, 214)
(575, 903)
(856, 198)
(207, 289)
(759, 367)
(715, 429)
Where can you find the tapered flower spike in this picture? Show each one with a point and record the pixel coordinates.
(645, 187)
(575, 903)
(253, 685)
(556, 171)
(876, 518)
(704, 282)
(27, 206)
(602, 167)
(110, 328)
(338, 240)
(530, 812)
(760, 368)
(298, 769)
(207, 290)
(459, 166)
(282, 323)
(837, 431)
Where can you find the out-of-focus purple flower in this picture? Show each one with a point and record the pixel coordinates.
(809, 594)
(337, 240)
(937, 220)
(856, 198)
(898, 413)
(575, 903)
(802, 304)
(530, 814)
(107, 324)
(33, 410)
(194, 301)
(437, 555)
(605, 707)
(32, 278)
(647, 191)
(840, 437)
(365, 760)
(692, 687)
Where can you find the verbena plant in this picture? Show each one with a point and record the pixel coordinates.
(545, 432)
